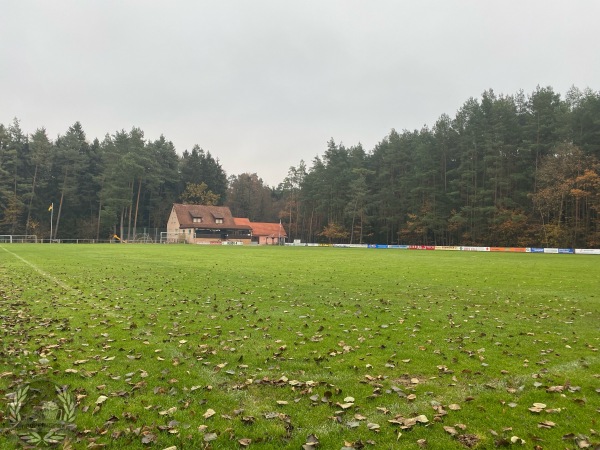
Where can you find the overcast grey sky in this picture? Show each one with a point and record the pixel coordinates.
(263, 84)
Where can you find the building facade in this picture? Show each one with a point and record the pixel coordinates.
(201, 224)
(264, 233)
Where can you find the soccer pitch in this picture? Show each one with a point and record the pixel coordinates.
(182, 346)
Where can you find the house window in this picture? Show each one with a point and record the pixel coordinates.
(197, 220)
(218, 220)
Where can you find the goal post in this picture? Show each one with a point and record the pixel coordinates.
(18, 238)
(167, 237)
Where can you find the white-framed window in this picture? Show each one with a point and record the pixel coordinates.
(197, 219)
(218, 220)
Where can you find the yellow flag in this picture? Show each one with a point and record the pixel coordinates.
(51, 207)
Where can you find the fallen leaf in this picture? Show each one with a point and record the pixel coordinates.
(148, 438)
(168, 412)
(517, 440)
(210, 437)
(468, 440)
(450, 430)
(373, 426)
(537, 407)
(312, 441)
(345, 405)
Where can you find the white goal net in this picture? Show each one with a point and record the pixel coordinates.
(171, 238)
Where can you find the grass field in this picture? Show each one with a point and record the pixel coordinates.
(276, 347)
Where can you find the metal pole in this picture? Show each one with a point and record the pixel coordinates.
(51, 219)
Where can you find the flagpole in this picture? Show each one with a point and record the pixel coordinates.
(51, 219)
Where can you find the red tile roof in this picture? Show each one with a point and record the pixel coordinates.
(186, 213)
(241, 221)
(262, 228)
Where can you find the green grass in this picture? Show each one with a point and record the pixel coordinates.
(239, 329)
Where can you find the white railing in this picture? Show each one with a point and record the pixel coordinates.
(18, 238)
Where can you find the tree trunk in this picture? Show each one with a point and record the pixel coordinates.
(353, 218)
(130, 208)
(98, 222)
(121, 224)
(31, 199)
(62, 196)
(137, 204)
(362, 220)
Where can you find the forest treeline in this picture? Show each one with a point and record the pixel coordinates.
(506, 170)
(93, 190)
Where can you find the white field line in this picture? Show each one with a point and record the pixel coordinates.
(41, 272)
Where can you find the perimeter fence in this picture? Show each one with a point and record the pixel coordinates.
(569, 251)
(148, 238)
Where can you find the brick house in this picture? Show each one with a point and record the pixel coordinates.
(201, 224)
(264, 233)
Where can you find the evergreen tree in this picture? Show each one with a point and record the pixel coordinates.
(199, 167)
